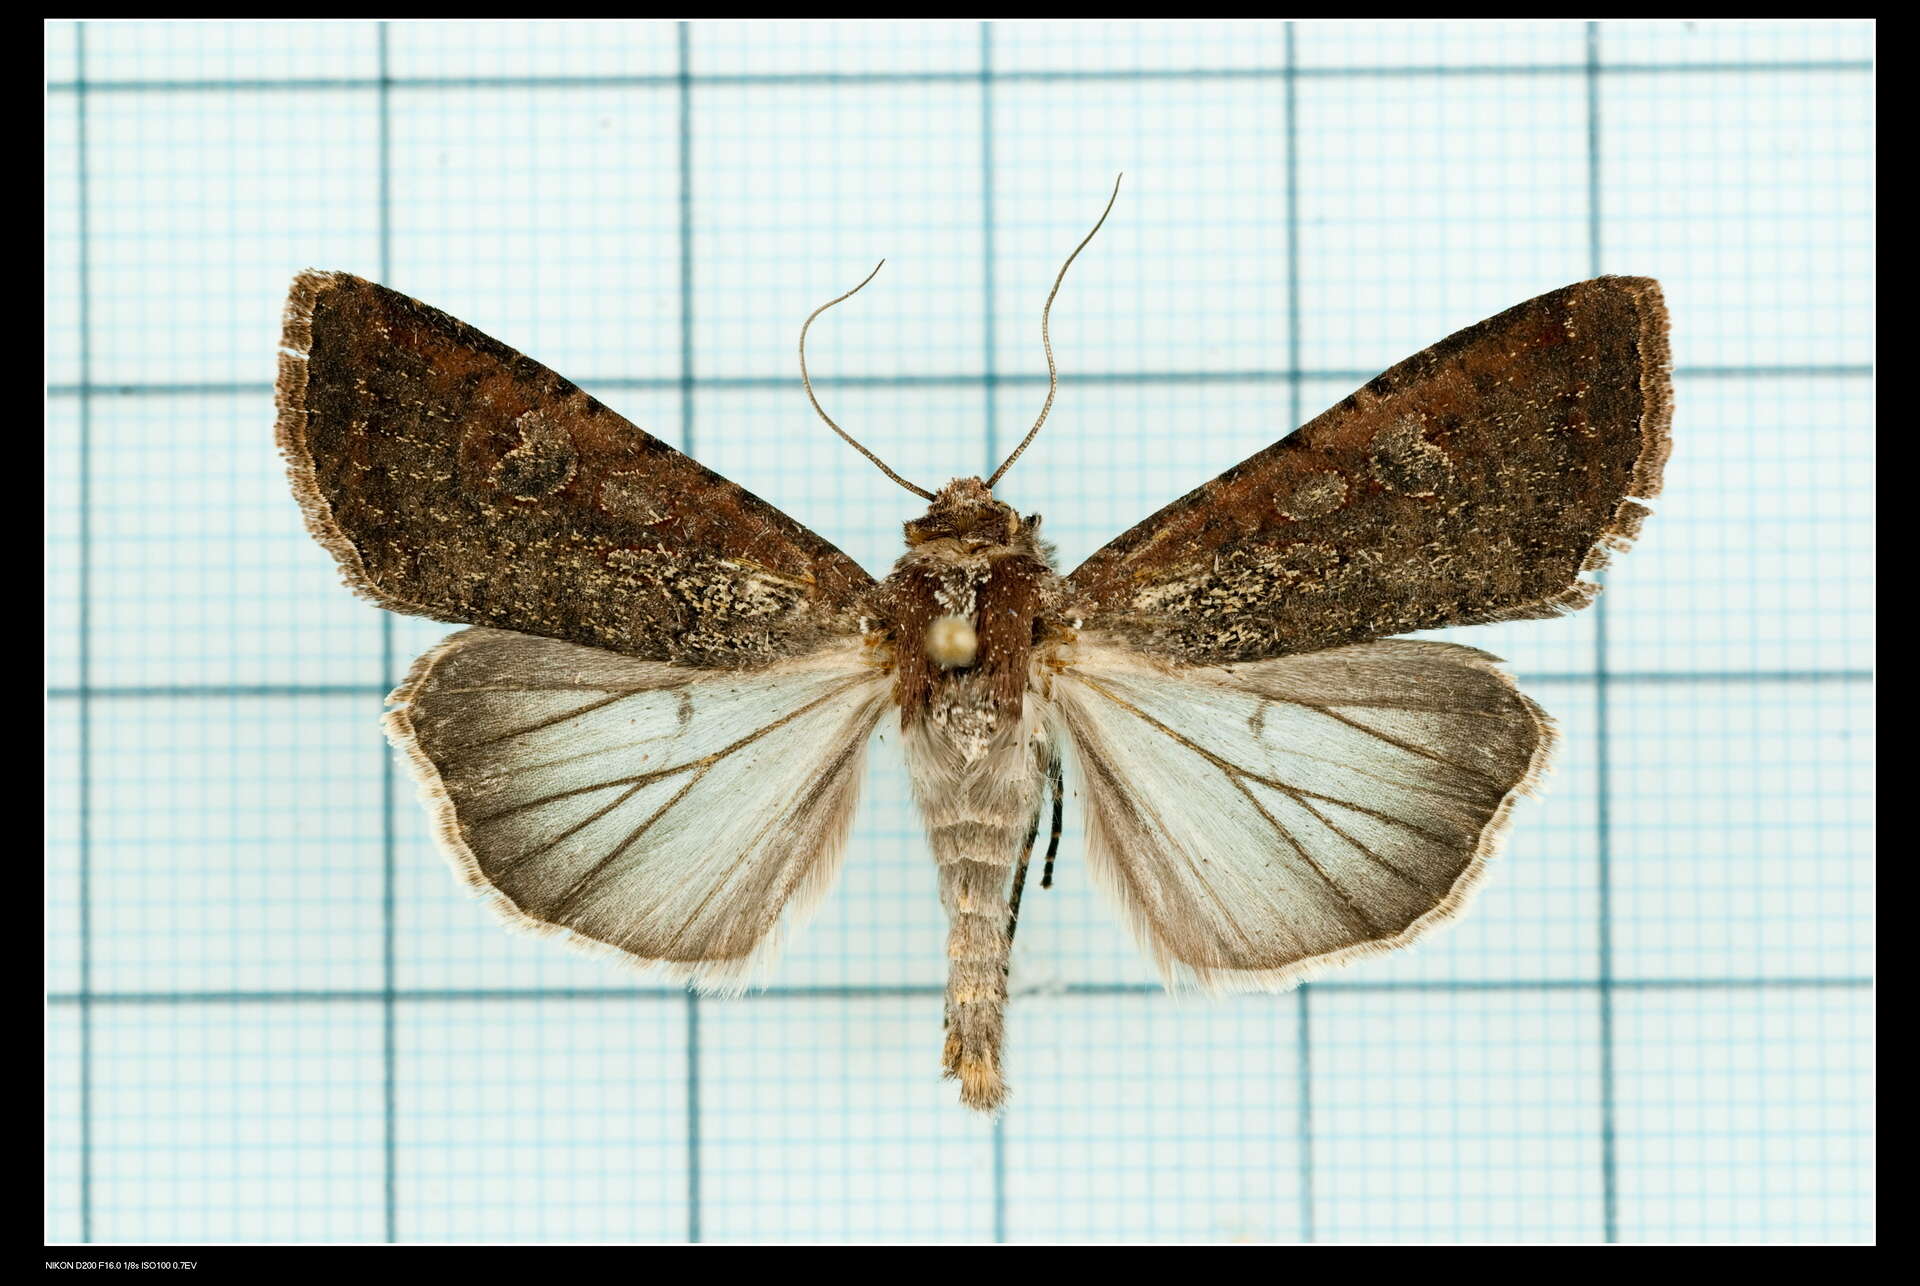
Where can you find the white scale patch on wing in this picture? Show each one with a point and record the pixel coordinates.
(669, 813)
(1259, 821)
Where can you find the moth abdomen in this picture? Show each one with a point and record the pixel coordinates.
(976, 865)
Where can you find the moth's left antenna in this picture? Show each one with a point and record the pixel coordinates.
(1053, 376)
(808, 384)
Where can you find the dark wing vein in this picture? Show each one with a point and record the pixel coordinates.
(1411, 749)
(1326, 879)
(513, 864)
(704, 761)
(554, 721)
(593, 873)
(1376, 858)
(1230, 767)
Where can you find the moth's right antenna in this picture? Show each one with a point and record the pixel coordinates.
(1053, 376)
(808, 384)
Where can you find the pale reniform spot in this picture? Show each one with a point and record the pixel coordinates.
(627, 495)
(1404, 461)
(542, 463)
(1316, 496)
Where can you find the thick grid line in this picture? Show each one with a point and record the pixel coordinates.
(1291, 376)
(684, 98)
(990, 384)
(1090, 76)
(85, 664)
(1303, 999)
(1603, 825)
(856, 991)
(990, 372)
(380, 690)
(389, 785)
(1595, 76)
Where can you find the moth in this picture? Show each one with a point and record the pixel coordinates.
(651, 740)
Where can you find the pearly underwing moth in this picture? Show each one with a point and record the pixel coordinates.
(651, 740)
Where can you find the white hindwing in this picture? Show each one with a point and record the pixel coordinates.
(665, 812)
(1263, 820)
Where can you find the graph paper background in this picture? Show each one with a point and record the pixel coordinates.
(273, 1016)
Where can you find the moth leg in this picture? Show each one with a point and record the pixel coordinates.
(1053, 841)
(1019, 885)
(1053, 847)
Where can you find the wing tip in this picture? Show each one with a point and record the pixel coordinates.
(293, 416)
(1655, 340)
(1654, 433)
(1653, 346)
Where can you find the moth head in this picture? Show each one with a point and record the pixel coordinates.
(966, 511)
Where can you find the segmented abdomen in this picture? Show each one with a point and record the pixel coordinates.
(976, 872)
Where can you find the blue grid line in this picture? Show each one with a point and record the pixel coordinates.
(1067, 378)
(1603, 828)
(990, 456)
(381, 689)
(684, 83)
(836, 80)
(388, 783)
(777, 991)
(1303, 1001)
(85, 656)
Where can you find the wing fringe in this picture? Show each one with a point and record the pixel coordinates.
(293, 418)
(1654, 341)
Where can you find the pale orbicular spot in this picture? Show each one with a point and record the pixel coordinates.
(1315, 496)
(542, 463)
(629, 495)
(1404, 461)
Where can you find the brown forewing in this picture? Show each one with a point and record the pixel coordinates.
(457, 479)
(1473, 482)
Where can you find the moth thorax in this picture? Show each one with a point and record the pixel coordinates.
(951, 642)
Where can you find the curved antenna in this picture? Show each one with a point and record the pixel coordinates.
(808, 385)
(1053, 376)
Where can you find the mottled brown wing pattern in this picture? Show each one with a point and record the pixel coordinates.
(457, 479)
(1475, 481)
